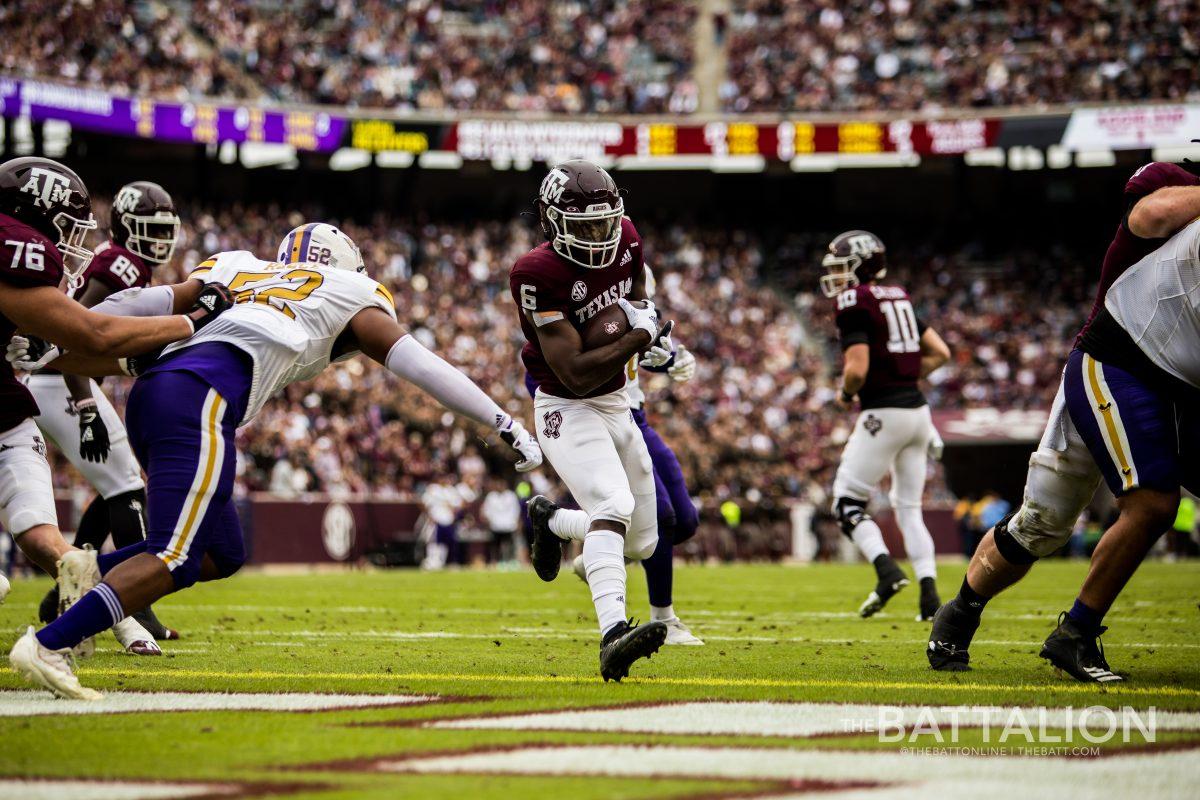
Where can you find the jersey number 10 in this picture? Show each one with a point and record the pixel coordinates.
(902, 326)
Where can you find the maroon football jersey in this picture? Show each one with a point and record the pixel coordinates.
(1125, 250)
(882, 318)
(116, 268)
(27, 259)
(548, 287)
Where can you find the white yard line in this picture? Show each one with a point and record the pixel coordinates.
(25, 703)
(53, 789)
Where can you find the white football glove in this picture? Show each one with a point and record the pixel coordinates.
(661, 351)
(645, 319)
(29, 353)
(684, 367)
(935, 448)
(513, 434)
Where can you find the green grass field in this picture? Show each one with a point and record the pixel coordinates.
(490, 644)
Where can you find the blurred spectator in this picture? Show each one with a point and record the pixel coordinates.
(501, 513)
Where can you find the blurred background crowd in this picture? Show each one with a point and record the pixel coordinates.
(617, 56)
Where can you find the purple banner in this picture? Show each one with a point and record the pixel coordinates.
(192, 122)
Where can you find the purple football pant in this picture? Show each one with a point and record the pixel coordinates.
(182, 430)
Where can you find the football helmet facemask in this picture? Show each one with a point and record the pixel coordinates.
(580, 211)
(853, 257)
(323, 244)
(144, 221)
(50, 198)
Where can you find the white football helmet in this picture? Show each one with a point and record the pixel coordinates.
(323, 244)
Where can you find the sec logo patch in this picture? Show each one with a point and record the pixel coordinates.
(578, 291)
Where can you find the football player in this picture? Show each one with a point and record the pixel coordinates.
(1122, 415)
(313, 306)
(677, 517)
(80, 420)
(886, 351)
(45, 217)
(591, 259)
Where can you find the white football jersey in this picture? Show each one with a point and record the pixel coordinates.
(1157, 302)
(287, 316)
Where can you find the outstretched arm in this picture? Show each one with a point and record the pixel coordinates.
(382, 339)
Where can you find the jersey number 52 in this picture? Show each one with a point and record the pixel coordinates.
(293, 286)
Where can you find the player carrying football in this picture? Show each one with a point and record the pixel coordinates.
(45, 216)
(886, 351)
(591, 260)
(78, 417)
(1125, 412)
(294, 316)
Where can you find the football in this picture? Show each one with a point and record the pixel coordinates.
(606, 327)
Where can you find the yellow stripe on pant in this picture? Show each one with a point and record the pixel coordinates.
(208, 470)
(1109, 419)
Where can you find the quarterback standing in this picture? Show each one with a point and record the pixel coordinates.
(886, 351)
(79, 418)
(591, 259)
(293, 317)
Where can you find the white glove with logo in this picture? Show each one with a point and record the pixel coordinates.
(645, 319)
(29, 353)
(684, 366)
(659, 357)
(515, 436)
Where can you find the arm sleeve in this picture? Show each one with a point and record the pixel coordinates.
(154, 301)
(409, 359)
(854, 327)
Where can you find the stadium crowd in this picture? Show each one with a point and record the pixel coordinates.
(616, 56)
(755, 427)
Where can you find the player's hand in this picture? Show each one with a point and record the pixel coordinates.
(214, 300)
(684, 366)
(29, 353)
(93, 433)
(513, 434)
(935, 448)
(661, 354)
(844, 401)
(136, 365)
(641, 319)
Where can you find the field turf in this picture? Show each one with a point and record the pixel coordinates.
(486, 644)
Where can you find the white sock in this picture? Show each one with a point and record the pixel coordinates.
(569, 523)
(918, 544)
(869, 539)
(662, 613)
(604, 563)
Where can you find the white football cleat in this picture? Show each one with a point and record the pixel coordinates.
(48, 668)
(4, 587)
(577, 566)
(78, 574)
(134, 639)
(678, 633)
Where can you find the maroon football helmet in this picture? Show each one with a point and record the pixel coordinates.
(580, 210)
(144, 221)
(50, 198)
(853, 257)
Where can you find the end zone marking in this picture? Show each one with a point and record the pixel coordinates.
(29, 703)
(391, 677)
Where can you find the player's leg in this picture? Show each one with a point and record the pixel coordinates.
(677, 522)
(908, 486)
(184, 432)
(1061, 481)
(867, 456)
(1130, 430)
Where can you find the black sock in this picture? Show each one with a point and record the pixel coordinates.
(126, 517)
(93, 524)
(971, 601)
(885, 567)
(928, 585)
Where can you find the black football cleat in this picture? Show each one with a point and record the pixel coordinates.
(953, 629)
(930, 601)
(150, 621)
(625, 643)
(1078, 653)
(891, 580)
(546, 549)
